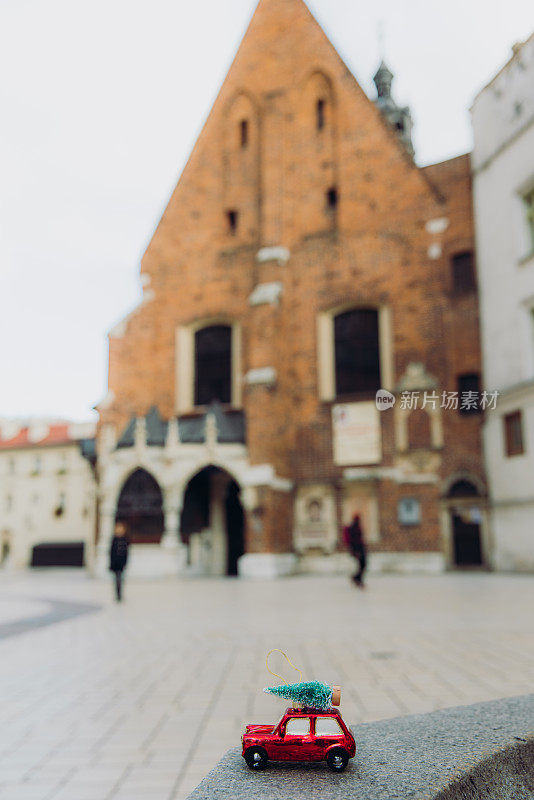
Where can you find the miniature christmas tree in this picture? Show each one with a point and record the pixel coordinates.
(309, 694)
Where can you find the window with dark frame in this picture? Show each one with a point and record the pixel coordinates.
(409, 511)
(513, 433)
(243, 132)
(463, 272)
(356, 352)
(469, 394)
(232, 218)
(213, 365)
(320, 114)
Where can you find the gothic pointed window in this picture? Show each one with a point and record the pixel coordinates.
(320, 115)
(232, 217)
(243, 133)
(213, 364)
(356, 352)
(331, 199)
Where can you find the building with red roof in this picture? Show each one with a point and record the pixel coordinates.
(47, 493)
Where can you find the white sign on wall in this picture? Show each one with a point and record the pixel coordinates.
(315, 518)
(356, 434)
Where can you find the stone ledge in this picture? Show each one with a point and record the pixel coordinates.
(266, 294)
(277, 253)
(453, 754)
(261, 376)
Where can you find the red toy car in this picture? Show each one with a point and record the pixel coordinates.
(303, 734)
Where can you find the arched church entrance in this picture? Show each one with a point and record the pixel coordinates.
(212, 522)
(466, 519)
(140, 506)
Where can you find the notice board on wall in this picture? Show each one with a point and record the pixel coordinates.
(356, 434)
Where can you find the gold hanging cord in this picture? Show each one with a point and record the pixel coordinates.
(276, 650)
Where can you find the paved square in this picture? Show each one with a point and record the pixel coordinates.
(137, 701)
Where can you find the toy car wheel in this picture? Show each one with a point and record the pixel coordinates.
(337, 760)
(256, 757)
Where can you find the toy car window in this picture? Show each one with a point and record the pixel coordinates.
(298, 726)
(279, 721)
(327, 726)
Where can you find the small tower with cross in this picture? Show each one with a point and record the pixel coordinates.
(399, 117)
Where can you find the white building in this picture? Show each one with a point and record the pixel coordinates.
(503, 176)
(47, 494)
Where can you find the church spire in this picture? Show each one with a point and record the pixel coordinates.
(383, 79)
(398, 116)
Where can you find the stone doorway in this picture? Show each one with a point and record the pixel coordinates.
(467, 546)
(466, 512)
(140, 506)
(212, 523)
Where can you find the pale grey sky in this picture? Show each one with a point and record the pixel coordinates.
(101, 103)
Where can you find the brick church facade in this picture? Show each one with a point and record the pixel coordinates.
(303, 262)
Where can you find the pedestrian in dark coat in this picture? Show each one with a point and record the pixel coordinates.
(118, 556)
(355, 541)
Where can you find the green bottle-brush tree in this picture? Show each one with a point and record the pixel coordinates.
(312, 694)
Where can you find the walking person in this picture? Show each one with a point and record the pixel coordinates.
(118, 555)
(355, 541)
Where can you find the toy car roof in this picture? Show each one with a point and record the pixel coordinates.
(297, 712)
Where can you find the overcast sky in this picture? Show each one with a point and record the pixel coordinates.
(101, 102)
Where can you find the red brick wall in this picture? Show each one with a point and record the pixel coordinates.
(460, 317)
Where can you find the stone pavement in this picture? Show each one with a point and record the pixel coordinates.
(138, 701)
